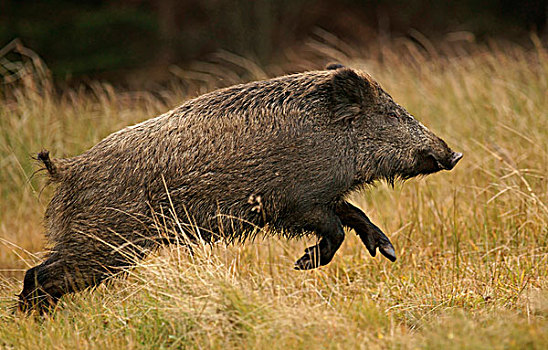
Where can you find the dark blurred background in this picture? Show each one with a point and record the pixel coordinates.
(113, 39)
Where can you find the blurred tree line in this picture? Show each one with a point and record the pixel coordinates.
(85, 37)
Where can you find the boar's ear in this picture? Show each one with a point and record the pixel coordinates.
(351, 93)
(352, 89)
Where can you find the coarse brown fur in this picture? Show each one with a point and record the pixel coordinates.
(282, 152)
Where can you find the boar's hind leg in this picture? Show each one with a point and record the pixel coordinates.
(60, 274)
(371, 236)
(329, 229)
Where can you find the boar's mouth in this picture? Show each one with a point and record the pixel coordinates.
(428, 163)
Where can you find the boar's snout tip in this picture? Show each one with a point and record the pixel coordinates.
(455, 157)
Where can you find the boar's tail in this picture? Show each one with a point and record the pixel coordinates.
(56, 168)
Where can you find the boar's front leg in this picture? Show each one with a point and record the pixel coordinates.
(371, 236)
(328, 228)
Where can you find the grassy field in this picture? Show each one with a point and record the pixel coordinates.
(472, 268)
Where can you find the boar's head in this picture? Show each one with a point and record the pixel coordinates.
(389, 142)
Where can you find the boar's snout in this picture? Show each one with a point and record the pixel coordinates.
(448, 163)
(454, 160)
(428, 162)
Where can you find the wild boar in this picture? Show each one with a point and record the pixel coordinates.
(282, 153)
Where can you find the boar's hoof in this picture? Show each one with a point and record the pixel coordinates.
(379, 240)
(311, 259)
(388, 252)
(374, 239)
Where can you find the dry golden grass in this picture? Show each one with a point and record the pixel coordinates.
(472, 244)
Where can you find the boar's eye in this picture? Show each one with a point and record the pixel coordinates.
(392, 115)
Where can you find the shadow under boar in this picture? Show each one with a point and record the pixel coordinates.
(283, 152)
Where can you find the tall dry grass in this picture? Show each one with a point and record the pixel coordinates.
(472, 244)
